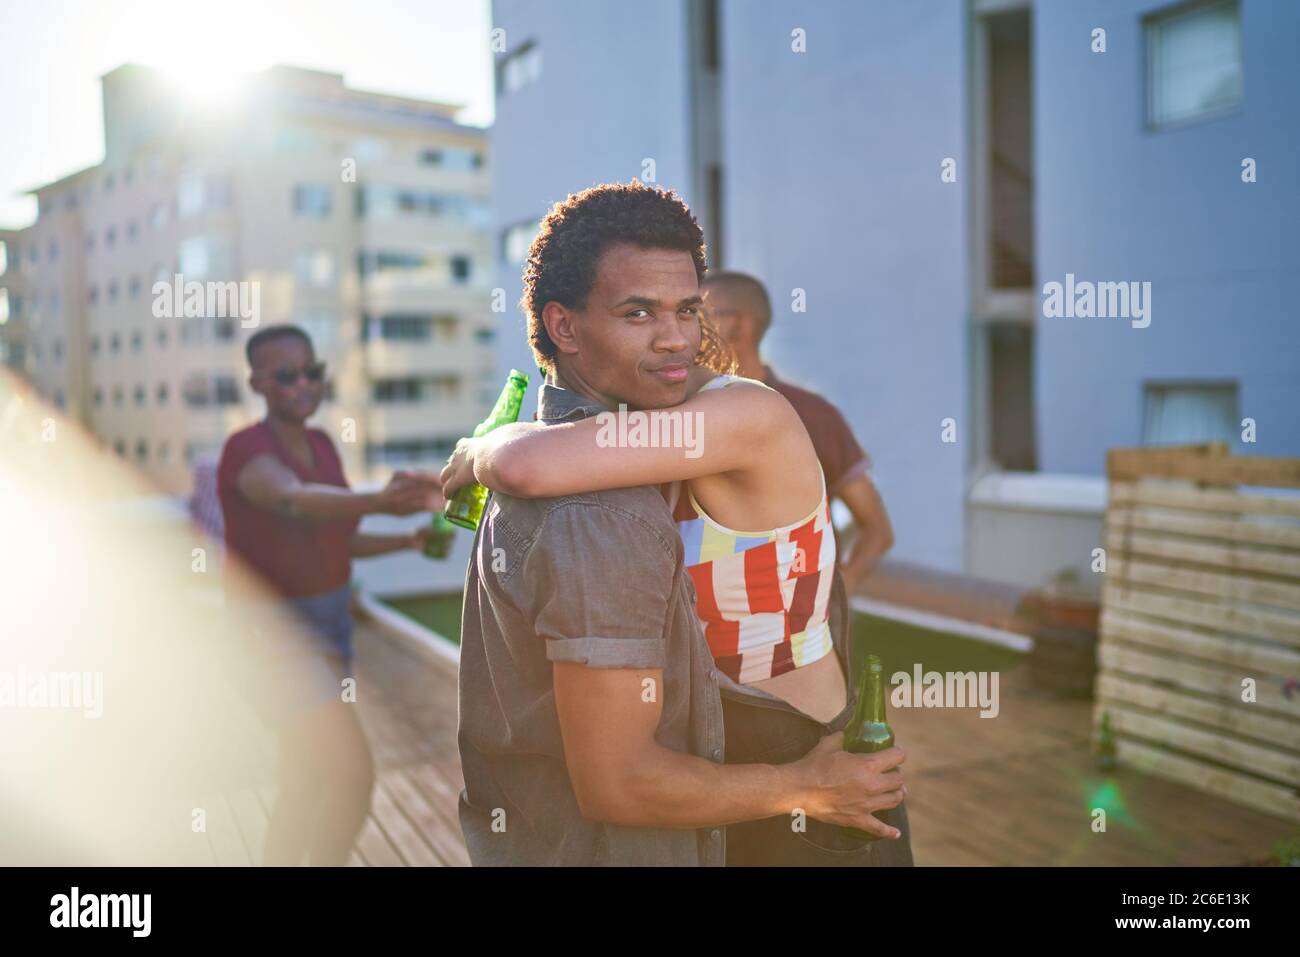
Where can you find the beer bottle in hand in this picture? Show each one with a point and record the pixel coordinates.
(465, 508)
(869, 732)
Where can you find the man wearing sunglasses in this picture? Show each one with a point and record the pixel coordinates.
(291, 517)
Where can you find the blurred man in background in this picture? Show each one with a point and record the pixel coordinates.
(739, 306)
(290, 516)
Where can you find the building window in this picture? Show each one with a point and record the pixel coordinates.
(225, 390)
(94, 295)
(460, 269)
(114, 343)
(90, 242)
(132, 230)
(58, 350)
(141, 450)
(321, 326)
(163, 393)
(137, 341)
(94, 345)
(193, 258)
(416, 389)
(53, 253)
(456, 158)
(315, 267)
(117, 395)
(158, 215)
(119, 446)
(161, 337)
(164, 450)
(1183, 413)
(312, 200)
(133, 287)
(112, 290)
(110, 236)
(485, 336)
(1193, 62)
(520, 67)
(515, 241)
(201, 390)
(378, 202)
(191, 194)
(393, 391)
(138, 395)
(403, 328)
(369, 149)
(99, 396)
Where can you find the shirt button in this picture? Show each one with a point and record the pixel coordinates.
(717, 755)
(713, 674)
(715, 835)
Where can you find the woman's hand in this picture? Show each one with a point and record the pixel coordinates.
(459, 470)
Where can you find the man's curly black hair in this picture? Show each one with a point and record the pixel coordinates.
(562, 259)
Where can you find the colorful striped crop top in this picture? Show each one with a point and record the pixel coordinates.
(762, 597)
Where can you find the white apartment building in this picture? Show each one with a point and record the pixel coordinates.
(362, 217)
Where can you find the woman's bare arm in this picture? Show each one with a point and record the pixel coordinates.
(712, 432)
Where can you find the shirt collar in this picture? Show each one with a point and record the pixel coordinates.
(557, 404)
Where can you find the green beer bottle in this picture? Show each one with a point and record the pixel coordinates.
(466, 507)
(1106, 744)
(438, 544)
(869, 732)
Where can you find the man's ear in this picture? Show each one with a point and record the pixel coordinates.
(559, 321)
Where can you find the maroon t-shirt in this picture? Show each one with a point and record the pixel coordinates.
(296, 556)
(837, 450)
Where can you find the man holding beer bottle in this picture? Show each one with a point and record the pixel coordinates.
(591, 725)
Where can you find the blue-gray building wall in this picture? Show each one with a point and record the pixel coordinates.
(831, 163)
(832, 160)
(1118, 201)
(613, 91)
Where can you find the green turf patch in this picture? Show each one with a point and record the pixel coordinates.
(440, 613)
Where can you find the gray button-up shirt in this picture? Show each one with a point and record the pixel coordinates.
(596, 579)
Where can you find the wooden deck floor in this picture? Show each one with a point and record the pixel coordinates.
(1018, 789)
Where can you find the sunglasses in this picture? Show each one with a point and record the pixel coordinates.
(287, 377)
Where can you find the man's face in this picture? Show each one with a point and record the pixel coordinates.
(728, 314)
(283, 371)
(638, 336)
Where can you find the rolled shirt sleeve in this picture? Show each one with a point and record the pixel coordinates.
(610, 613)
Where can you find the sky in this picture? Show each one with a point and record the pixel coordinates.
(55, 51)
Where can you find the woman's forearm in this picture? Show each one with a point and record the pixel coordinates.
(502, 459)
(726, 432)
